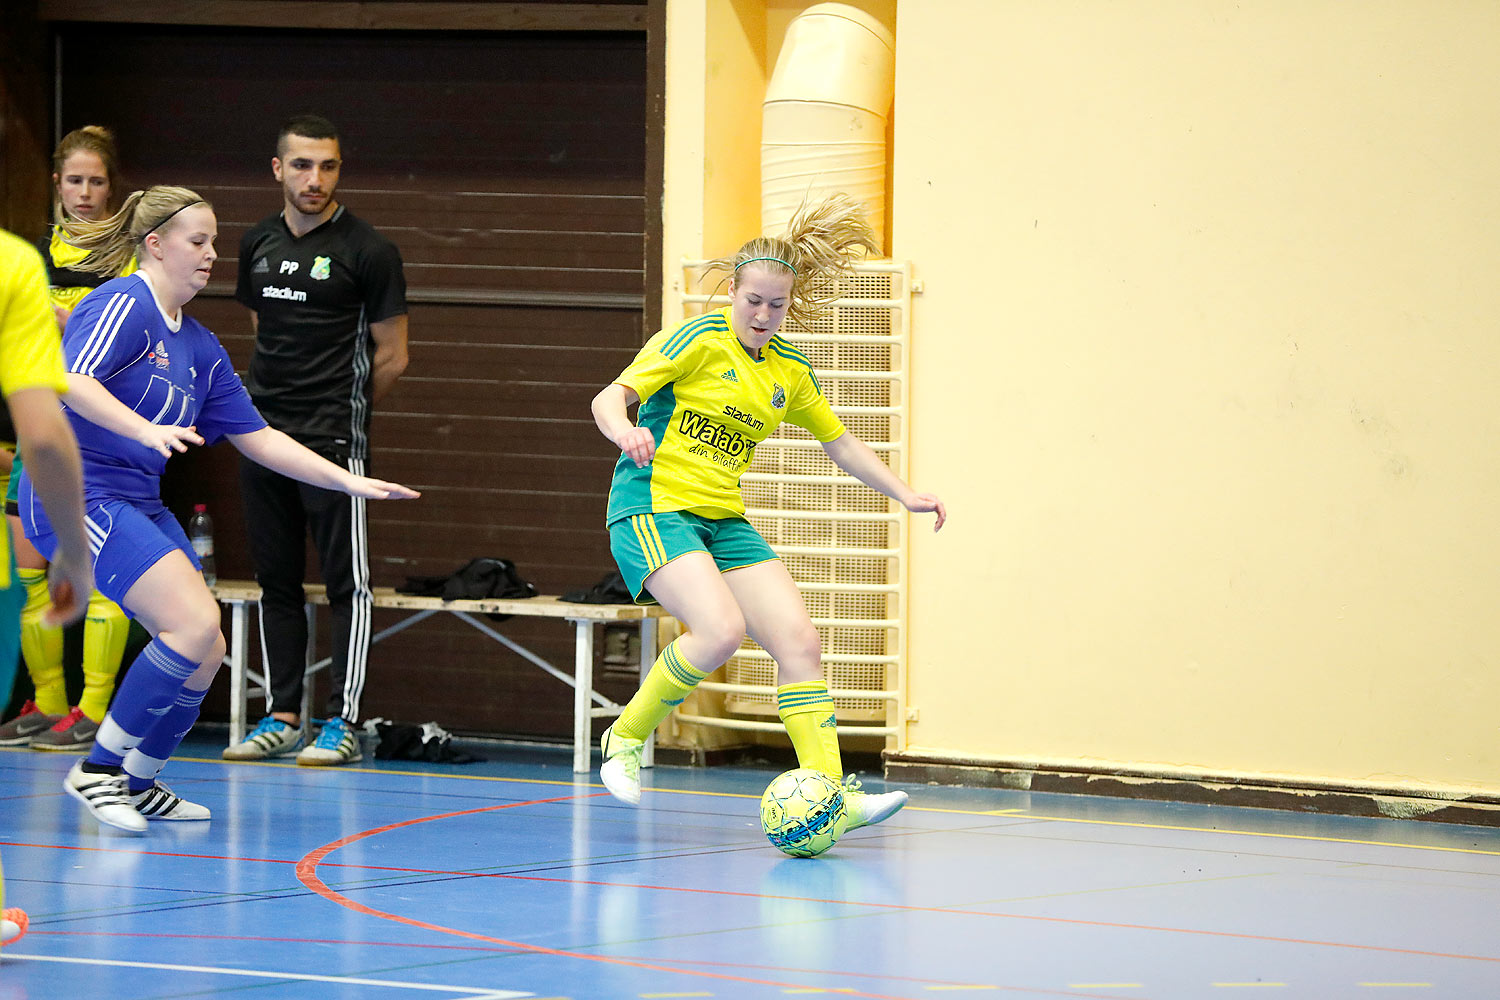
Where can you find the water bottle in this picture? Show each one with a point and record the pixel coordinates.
(201, 533)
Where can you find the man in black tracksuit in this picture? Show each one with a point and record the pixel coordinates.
(328, 300)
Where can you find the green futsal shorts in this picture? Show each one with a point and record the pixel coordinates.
(644, 543)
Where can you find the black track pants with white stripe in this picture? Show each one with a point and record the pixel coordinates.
(279, 514)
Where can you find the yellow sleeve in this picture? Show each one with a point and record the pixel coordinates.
(809, 409)
(651, 369)
(30, 346)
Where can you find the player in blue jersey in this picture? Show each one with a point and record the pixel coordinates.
(145, 381)
(711, 389)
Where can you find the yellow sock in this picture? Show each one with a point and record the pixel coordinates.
(670, 680)
(105, 631)
(42, 646)
(807, 712)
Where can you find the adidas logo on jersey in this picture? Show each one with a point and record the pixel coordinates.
(730, 376)
(262, 266)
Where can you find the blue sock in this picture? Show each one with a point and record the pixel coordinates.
(145, 761)
(145, 695)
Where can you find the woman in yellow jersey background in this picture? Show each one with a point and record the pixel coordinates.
(86, 186)
(710, 390)
(31, 379)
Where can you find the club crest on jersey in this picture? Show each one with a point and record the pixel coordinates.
(778, 398)
(320, 270)
(730, 376)
(158, 356)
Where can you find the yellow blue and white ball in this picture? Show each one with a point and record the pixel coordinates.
(802, 812)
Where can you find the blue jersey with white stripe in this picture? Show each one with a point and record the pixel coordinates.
(168, 372)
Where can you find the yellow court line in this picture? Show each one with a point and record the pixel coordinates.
(467, 777)
(1009, 813)
(977, 986)
(1248, 833)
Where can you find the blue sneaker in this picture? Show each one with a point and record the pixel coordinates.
(336, 744)
(271, 738)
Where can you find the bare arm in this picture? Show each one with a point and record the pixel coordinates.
(87, 397)
(860, 461)
(278, 452)
(51, 457)
(612, 417)
(390, 354)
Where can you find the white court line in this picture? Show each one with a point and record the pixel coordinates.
(466, 992)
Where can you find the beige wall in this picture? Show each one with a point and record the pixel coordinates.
(1205, 368)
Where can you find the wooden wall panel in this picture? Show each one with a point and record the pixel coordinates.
(25, 148)
(502, 165)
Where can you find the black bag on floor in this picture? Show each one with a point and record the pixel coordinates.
(429, 742)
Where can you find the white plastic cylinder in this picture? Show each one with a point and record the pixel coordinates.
(824, 117)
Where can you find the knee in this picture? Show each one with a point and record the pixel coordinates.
(216, 651)
(798, 654)
(197, 634)
(806, 644)
(718, 637)
(208, 666)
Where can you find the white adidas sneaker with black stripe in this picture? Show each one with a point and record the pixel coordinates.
(270, 738)
(106, 796)
(159, 803)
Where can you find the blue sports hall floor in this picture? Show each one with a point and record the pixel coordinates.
(513, 878)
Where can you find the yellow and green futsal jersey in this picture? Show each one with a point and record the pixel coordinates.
(30, 347)
(69, 285)
(708, 403)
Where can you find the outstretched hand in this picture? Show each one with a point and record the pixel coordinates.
(379, 489)
(167, 438)
(922, 503)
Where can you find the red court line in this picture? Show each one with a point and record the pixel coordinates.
(241, 938)
(307, 875)
(959, 911)
(500, 951)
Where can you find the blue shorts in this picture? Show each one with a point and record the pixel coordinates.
(126, 540)
(644, 543)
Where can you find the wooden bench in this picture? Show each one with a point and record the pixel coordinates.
(588, 704)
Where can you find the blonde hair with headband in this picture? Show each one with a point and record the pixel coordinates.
(821, 243)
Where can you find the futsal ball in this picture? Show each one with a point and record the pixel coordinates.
(802, 812)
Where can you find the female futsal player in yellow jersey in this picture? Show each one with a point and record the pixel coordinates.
(31, 379)
(710, 390)
(85, 186)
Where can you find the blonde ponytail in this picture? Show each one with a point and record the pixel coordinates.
(111, 243)
(820, 245)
